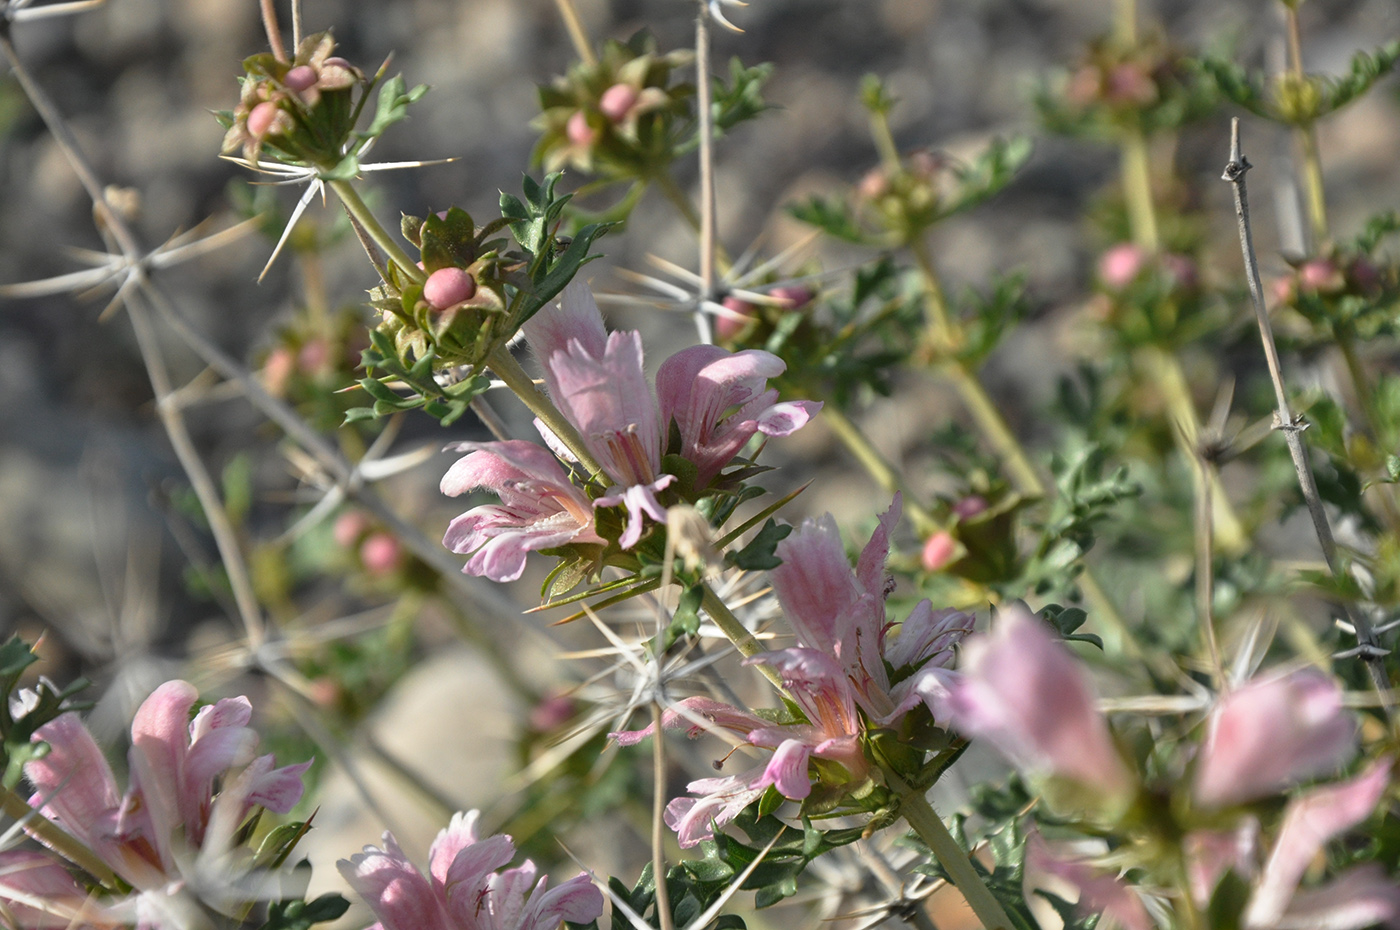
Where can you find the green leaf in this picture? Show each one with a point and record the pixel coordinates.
(830, 216)
(300, 915)
(392, 105)
(759, 555)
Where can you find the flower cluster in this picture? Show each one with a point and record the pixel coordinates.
(193, 785)
(838, 675)
(465, 888)
(713, 400)
(1022, 691)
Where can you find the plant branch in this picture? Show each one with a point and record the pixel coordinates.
(569, 13)
(519, 381)
(925, 822)
(703, 92)
(1292, 427)
(1305, 136)
(658, 824)
(350, 199)
(738, 634)
(1137, 189)
(865, 453)
(274, 31)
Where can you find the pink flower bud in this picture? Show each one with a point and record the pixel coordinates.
(1320, 275)
(938, 551)
(380, 553)
(923, 164)
(1129, 84)
(448, 287)
(313, 356)
(579, 132)
(1085, 86)
(552, 712)
(1272, 733)
(969, 507)
(1120, 265)
(795, 296)
(728, 327)
(267, 119)
(1180, 269)
(617, 101)
(1285, 290)
(277, 370)
(874, 185)
(349, 528)
(300, 78)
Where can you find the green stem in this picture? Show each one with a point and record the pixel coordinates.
(884, 141)
(658, 825)
(1125, 22)
(1313, 189)
(994, 429)
(577, 35)
(519, 381)
(940, 324)
(859, 445)
(1164, 370)
(924, 821)
(56, 839)
(362, 214)
(738, 634)
(1137, 189)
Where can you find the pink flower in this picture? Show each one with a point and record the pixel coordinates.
(720, 399)
(40, 893)
(841, 613)
(170, 808)
(1272, 733)
(1023, 692)
(1100, 892)
(1309, 822)
(596, 380)
(539, 507)
(465, 888)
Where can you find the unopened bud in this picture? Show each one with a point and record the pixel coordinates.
(277, 370)
(268, 119)
(794, 296)
(350, 526)
(730, 325)
(938, 551)
(874, 185)
(579, 132)
(380, 554)
(448, 287)
(1320, 275)
(313, 356)
(1180, 269)
(969, 507)
(300, 78)
(617, 101)
(1120, 265)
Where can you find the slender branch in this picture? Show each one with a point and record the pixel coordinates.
(1137, 189)
(738, 634)
(357, 209)
(994, 429)
(111, 223)
(1292, 427)
(925, 822)
(865, 453)
(52, 836)
(508, 370)
(274, 31)
(658, 824)
(707, 166)
(582, 47)
(1205, 569)
(1306, 138)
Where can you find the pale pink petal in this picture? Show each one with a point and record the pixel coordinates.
(160, 743)
(228, 712)
(815, 584)
(1361, 897)
(1308, 823)
(573, 318)
(73, 782)
(684, 714)
(215, 753)
(1210, 854)
(640, 500)
(788, 417)
(1100, 892)
(577, 900)
(787, 770)
(818, 685)
(502, 906)
(720, 801)
(1023, 692)
(1272, 733)
(931, 685)
(457, 836)
(471, 871)
(40, 892)
(394, 889)
(928, 635)
(277, 790)
(870, 567)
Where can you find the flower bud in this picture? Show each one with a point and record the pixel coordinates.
(617, 101)
(277, 370)
(552, 712)
(1129, 84)
(874, 185)
(268, 119)
(349, 528)
(579, 132)
(448, 287)
(727, 326)
(300, 78)
(938, 551)
(1120, 265)
(380, 554)
(1180, 269)
(312, 358)
(795, 296)
(969, 507)
(1320, 275)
